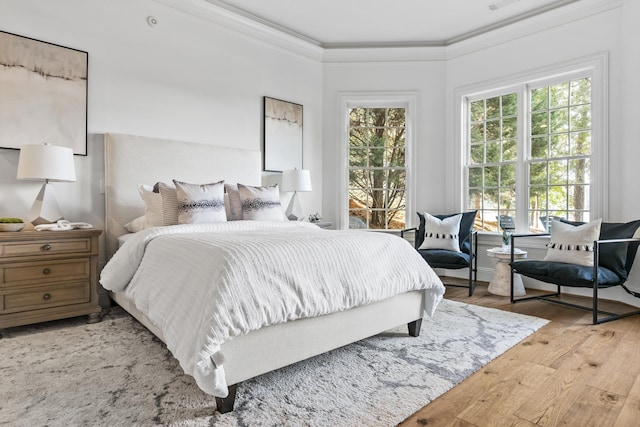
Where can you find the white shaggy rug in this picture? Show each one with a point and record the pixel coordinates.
(115, 373)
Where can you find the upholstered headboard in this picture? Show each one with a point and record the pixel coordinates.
(132, 160)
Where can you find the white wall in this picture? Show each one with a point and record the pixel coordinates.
(186, 78)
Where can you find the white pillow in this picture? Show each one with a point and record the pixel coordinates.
(136, 225)
(573, 244)
(200, 203)
(152, 206)
(260, 203)
(235, 204)
(442, 234)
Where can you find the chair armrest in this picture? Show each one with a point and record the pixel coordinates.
(407, 229)
(605, 241)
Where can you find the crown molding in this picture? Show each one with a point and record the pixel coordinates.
(245, 26)
(261, 31)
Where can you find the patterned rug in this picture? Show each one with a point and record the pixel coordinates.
(116, 373)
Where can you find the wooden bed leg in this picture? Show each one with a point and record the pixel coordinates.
(414, 327)
(225, 404)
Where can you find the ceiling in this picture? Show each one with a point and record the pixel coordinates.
(367, 23)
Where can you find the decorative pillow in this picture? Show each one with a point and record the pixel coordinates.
(235, 204)
(573, 244)
(169, 203)
(617, 257)
(260, 203)
(152, 206)
(466, 227)
(136, 225)
(198, 203)
(441, 233)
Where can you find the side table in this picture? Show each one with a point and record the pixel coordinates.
(500, 283)
(322, 224)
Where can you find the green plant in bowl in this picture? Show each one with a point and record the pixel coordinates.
(11, 224)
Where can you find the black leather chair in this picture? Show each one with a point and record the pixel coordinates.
(442, 258)
(613, 256)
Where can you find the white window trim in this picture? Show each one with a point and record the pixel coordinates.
(404, 99)
(595, 66)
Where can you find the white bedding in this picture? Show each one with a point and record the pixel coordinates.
(204, 284)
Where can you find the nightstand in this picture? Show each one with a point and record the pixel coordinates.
(48, 275)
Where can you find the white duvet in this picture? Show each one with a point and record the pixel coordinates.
(204, 284)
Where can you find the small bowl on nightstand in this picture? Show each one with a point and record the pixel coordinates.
(11, 226)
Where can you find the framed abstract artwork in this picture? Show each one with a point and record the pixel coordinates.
(282, 135)
(44, 94)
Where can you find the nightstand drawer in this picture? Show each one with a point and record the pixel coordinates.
(39, 272)
(45, 247)
(45, 297)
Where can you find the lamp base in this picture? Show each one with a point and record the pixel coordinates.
(294, 210)
(45, 209)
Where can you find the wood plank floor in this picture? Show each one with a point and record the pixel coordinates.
(569, 373)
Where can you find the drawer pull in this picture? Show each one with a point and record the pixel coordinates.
(46, 296)
(46, 247)
(46, 271)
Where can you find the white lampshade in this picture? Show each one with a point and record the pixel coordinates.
(46, 162)
(296, 180)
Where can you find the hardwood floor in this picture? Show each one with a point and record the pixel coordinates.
(569, 373)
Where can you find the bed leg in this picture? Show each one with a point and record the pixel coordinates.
(225, 404)
(414, 327)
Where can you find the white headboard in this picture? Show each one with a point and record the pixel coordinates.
(132, 160)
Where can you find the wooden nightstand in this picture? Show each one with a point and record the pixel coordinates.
(48, 275)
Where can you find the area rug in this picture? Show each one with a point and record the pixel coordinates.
(116, 373)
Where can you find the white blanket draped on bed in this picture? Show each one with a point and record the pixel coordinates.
(205, 284)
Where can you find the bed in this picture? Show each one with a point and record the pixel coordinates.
(274, 340)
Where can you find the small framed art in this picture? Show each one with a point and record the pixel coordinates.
(282, 135)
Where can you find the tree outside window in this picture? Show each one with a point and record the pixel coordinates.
(377, 168)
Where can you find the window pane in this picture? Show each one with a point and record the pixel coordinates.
(357, 117)
(358, 157)
(559, 146)
(539, 123)
(578, 197)
(493, 107)
(538, 198)
(477, 153)
(558, 199)
(477, 110)
(507, 175)
(538, 173)
(491, 176)
(395, 157)
(358, 218)
(490, 199)
(493, 130)
(477, 132)
(539, 99)
(580, 117)
(475, 177)
(559, 120)
(580, 143)
(509, 150)
(509, 127)
(559, 95)
(579, 171)
(558, 172)
(539, 147)
(493, 152)
(581, 91)
(510, 104)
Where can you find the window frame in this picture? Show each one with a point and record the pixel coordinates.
(404, 99)
(594, 67)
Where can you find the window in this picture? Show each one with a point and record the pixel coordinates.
(377, 168)
(531, 150)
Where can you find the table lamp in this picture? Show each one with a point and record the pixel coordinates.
(49, 163)
(295, 180)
